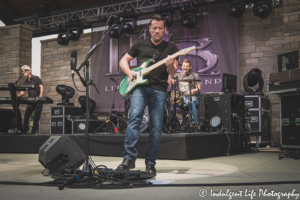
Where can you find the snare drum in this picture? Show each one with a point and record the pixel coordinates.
(179, 97)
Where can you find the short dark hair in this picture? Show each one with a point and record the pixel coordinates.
(158, 17)
(187, 61)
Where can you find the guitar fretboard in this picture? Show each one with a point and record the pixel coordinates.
(152, 67)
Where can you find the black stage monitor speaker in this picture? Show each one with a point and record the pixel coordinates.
(221, 111)
(60, 151)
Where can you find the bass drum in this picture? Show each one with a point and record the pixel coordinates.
(145, 122)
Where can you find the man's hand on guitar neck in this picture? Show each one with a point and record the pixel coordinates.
(172, 65)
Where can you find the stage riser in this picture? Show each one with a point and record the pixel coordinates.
(177, 147)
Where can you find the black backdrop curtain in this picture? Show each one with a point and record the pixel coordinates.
(216, 36)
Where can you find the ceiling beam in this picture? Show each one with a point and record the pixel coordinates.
(56, 4)
(11, 8)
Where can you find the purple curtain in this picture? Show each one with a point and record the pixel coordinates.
(215, 35)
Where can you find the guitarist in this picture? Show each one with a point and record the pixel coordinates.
(152, 95)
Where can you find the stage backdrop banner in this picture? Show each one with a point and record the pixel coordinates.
(215, 35)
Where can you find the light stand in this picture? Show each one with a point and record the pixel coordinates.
(108, 121)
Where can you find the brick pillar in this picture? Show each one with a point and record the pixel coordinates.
(15, 51)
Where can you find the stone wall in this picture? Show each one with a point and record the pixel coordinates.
(15, 51)
(262, 40)
(55, 70)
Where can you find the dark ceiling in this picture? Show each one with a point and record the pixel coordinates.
(15, 11)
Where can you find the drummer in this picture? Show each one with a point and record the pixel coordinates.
(182, 78)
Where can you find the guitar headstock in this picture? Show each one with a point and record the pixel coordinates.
(187, 50)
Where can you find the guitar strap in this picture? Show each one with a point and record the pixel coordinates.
(159, 50)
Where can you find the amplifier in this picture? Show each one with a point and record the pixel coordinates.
(290, 121)
(78, 126)
(285, 76)
(285, 81)
(219, 109)
(288, 87)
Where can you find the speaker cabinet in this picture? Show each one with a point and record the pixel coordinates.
(60, 152)
(290, 121)
(222, 108)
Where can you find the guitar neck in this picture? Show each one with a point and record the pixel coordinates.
(152, 67)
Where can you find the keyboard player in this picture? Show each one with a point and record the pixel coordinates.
(37, 92)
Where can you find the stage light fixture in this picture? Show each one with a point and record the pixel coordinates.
(129, 18)
(166, 11)
(117, 31)
(70, 31)
(236, 8)
(215, 121)
(262, 8)
(81, 126)
(188, 15)
(92, 105)
(253, 78)
(66, 93)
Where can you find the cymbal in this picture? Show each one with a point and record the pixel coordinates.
(189, 80)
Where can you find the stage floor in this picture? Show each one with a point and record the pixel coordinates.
(179, 146)
(263, 166)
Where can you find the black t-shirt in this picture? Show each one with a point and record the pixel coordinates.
(36, 81)
(144, 50)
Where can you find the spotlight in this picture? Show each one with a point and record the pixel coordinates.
(66, 93)
(262, 8)
(236, 8)
(129, 21)
(117, 31)
(188, 15)
(92, 105)
(253, 78)
(166, 11)
(215, 121)
(70, 31)
(81, 126)
(124, 22)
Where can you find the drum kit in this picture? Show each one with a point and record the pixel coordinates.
(176, 112)
(181, 118)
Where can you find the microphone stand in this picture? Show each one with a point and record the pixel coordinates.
(14, 97)
(87, 169)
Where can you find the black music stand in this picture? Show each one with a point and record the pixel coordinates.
(14, 103)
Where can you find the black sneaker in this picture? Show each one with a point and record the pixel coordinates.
(150, 169)
(126, 164)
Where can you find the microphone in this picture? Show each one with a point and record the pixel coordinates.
(18, 79)
(113, 80)
(73, 61)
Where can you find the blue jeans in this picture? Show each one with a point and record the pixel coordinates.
(140, 98)
(194, 109)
